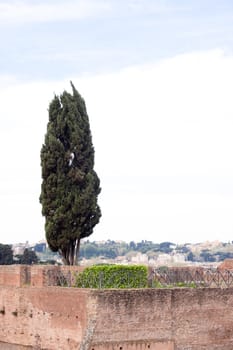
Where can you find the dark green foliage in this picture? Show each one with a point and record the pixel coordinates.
(183, 249)
(190, 256)
(108, 250)
(6, 254)
(165, 247)
(28, 257)
(132, 245)
(220, 256)
(70, 185)
(111, 249)
(113, 276)
(207, 256)
(143, 246)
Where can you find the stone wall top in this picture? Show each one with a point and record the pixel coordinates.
(34, 275)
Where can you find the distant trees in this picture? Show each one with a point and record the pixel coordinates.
(28, 257)
(220, 256)
(90, 250)
(190, 256)
(7, 258)
(70, 185)
(206, 255)
(112, 249)
(6, 254)
(165, 247)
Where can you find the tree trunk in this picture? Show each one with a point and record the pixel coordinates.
(70, 255)
(76, 251)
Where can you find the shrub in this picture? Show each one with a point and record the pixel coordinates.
(113, 276)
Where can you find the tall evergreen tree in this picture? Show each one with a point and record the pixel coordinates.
(70, 186)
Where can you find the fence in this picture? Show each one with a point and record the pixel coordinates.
(97, 279)
(157, 278)
(60, 277)
(196, 278)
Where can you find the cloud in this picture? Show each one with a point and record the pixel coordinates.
(169, 118)
(155, 7)
(163, 140)
(20, 12)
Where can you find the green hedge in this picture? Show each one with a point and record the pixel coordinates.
(113, 276)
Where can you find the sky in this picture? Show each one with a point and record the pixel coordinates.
(157, 79)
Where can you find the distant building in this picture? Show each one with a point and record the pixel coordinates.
(18, 248)
(40, 247)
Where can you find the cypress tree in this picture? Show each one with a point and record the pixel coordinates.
(70, 186)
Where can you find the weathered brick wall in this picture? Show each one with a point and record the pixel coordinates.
(14, 275)
(35, 275)
(133, 319)
(193, 319)
(202, 318)
(156, 319)
(45, 318)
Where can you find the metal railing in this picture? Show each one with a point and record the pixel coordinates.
(100, 280)
(60, 278)
(199, 278)
(157, 278)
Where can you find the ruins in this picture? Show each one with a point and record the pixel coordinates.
(35, 315)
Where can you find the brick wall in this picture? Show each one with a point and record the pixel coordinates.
(156, 319)
(192, 319)
(35, 275)
(44, 318)
(14, 275)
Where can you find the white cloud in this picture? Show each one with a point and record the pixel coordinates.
(170, 118)
(25, 11)
(154, 7)
(163, 140)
